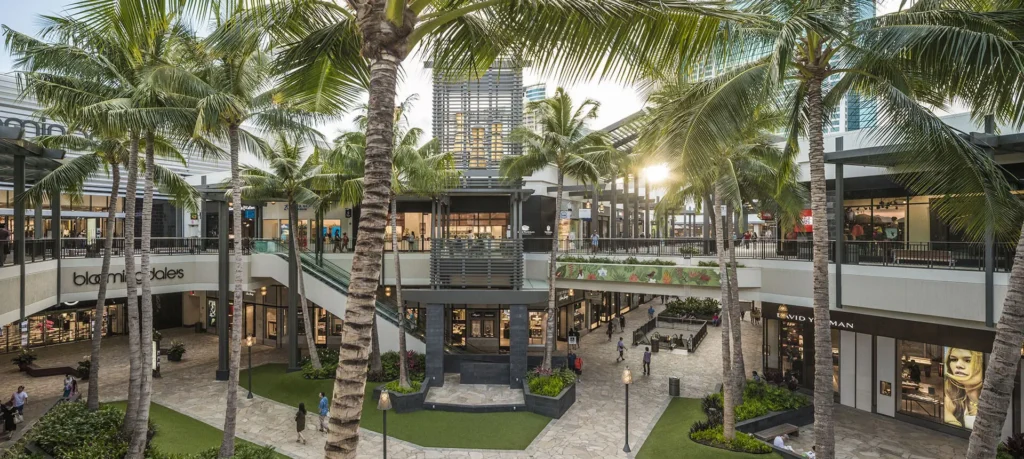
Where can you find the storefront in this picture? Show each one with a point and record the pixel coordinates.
(265, 317)
(923, 373)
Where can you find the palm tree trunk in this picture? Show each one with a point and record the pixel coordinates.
(350, 380)
(314, 358)
(824, 424)
(739, 370)
(403, 358)
(728, 388)
(227, 446)
(549, 341)
(997, 389)
(131, 411)
(93, 402)
(137, 446)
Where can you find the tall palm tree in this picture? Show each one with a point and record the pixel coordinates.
(417, 171)
(812, 54)
(361, 45)
(565, 143)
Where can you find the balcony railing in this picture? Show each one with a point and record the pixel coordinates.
(479, 263)
(935, 254)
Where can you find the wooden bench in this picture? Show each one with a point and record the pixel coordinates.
(768, 435)
(923, 256)
(36, 371)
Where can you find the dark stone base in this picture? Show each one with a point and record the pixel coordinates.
(799, 417)
(483, 373)
(405, 403)
(222, 375)
(552, 407)
(473, 409)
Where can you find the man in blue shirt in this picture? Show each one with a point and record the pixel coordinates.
(323, 413)
(593, 242)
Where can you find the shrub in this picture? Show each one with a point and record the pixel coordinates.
(327, 357)
(84, 366)
(549, 383)
(615, 261)
(742, 442)
(759, 399)
(699, 307)
(689, 251)
(327, 371)
(394, 387)
(389, 364)
(1013, 446)
(242, 451)
(70, 427)
(25, 357)
(751, 409)
(176, 350)
(714, 264)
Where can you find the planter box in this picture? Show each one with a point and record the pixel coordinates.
(552, 407)
(798, 417)
(405, 403)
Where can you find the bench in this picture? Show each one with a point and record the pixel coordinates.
(923, 256)
(768, 435)
(36, 371)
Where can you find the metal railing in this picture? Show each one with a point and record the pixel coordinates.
(640, 334)
(476, 263)
(935, 254)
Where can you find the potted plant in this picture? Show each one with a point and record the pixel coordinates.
(84, 366)
(24, 359)
(176, 351)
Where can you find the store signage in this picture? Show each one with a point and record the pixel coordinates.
(584, 214)
(765, 216)
(88, 278)
(565, 214)
(810, 319)
(37, 127)
(563, 295)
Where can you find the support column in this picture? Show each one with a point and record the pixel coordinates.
(990, 312)
(613, 212)
(840, 235)
(435, 344)
(627, 220)
(637, 225)
(55, 234)
(519, 335)
(19, 231)
(647, 208)
(223, 280)
(595, 215)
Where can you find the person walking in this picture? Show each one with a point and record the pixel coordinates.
(336, 246)
(324, 404)
(19, 398)
(5, 243)
(622, 323)
(594, 240)
(650, 312)
(622, 350)
(7, 414)
(300, 423)
(344, 242)
(647, 361)
(611, 329)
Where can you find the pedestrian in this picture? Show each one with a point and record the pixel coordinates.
(7, 414)
(19, 398)
(622, 323)
(336, 247)
(67, 386)
(611, 329)
(74, 390)
(300, 423)
(570, 360)
(650, 312)
(746, 239)
(323, 413)
(344, 242)
(647, 361)
(5, 243)
(412, 241)
(757, 378)
(594, 239)
(622, 350)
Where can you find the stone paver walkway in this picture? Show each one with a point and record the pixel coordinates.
(474, 394)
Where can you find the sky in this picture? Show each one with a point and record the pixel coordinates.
(616, 101)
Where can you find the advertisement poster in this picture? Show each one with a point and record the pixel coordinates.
(672, 275)
(964, 372)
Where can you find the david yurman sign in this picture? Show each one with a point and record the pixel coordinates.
(88, 278)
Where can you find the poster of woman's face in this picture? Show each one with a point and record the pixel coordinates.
(964, 373)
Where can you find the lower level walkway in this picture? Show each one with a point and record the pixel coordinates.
(455, 393)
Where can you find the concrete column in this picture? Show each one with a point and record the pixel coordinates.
(627, 217)
(595, 217)
(990, 242)
(223, 280)
(839, 234)
(613, 213)
(55, 234)
(519, 335)
(435, 344)
(19, 230)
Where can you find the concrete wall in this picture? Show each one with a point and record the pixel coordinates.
(886, 371)
(848, 368)
(863, 376)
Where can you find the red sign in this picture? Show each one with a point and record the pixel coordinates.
(765, 216)
(806, 220)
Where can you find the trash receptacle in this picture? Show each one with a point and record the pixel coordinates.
(654, 345)
(673, 387)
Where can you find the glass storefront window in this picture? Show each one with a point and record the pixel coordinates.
(538, 324)
(458, 336)
(792, 349)
(271, 326)
(835, 361)
(921, 385)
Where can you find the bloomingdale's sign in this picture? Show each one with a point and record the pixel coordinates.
(88, 278)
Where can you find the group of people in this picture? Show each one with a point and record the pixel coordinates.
(13, 412)
(748, 237)
(780, 443)
(300, 418)
(611, 326)
(340, 242)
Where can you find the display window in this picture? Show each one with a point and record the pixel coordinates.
(941, 383)
(538, 325)
(458, 332)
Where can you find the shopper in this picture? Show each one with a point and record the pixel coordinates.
(336, 247)
(780, 442)
(622, 323)
(300, 423)
(344, 242)
(412, 241)
(324, 404)
(74, 390)
(570, 360)
(650, 312)
(647, 361)
(7, 414)
(67, 386)
(622, 350)
(19, 398)
(611, 329)
(594, 241)
(5, 243)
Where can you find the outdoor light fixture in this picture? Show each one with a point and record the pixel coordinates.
(263, 290)
(384, 404)
(387, 291)
(572, 292)
(249, 341)
(627, 379)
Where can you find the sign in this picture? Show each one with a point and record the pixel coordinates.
(807, 221)
(765, 216)
(193, 216)
(565, 214)
(250, 214)
(584, 214)
(526, 230)
(88, 278)
(572, 340)
(348, 213)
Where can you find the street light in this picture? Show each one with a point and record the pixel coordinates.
(249, 341)
(627, 379)
(384, 404)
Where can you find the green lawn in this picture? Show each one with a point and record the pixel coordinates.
(512, 431)
(180, 434)
(671, 436)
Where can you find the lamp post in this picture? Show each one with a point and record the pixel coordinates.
(249, 341)
(627, 379)
(384, 404)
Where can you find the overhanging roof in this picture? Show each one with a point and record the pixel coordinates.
(39, 161)
(888, 155)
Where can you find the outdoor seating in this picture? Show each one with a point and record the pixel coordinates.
(782, 429)
(923, 256)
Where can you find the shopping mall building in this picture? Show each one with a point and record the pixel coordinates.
(914, 302)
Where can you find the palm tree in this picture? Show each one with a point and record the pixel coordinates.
(812, 54)
(565, 143)
(343, 50)
(735, 167)
(418, 171)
